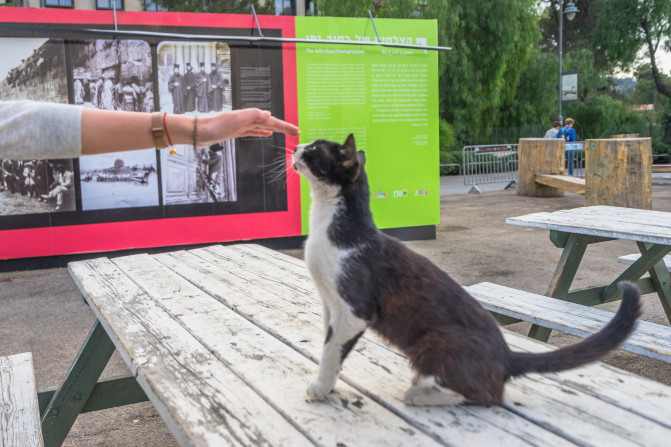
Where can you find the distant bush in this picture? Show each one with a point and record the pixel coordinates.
(449, 150)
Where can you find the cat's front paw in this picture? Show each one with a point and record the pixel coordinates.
(318, 389)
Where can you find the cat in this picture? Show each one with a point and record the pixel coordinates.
(368, 279)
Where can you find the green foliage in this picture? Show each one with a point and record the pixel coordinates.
(536, 97)
(446, 136)
(450, 152)
(218, 6)
(492, 43)
(359, 8)
(624, 27)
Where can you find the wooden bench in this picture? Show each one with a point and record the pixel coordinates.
(649, 339)
(630, 259)
(567, 183)
(661, 168)
(19, 412)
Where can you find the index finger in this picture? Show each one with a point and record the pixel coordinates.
(278, 125)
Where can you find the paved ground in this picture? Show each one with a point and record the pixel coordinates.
(42, 311)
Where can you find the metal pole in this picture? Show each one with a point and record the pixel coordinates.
(561, 24)
(374, 27)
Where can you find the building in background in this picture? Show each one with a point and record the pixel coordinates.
(282, 7)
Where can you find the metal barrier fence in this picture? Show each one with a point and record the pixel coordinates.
(490, 164)
(578, 158)
(497, 163)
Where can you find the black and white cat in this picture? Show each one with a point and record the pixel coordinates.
(366, 278)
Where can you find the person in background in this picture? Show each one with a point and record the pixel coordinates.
(552, 133)
(37, 131)
(568, 133)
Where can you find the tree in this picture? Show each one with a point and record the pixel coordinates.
(492, 43)
(627, 26)
(218, 6)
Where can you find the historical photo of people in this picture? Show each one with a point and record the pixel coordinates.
(112, 75)
(119, 180)
(194, 79)
(36, 186)
(34, 69)
(194, 76)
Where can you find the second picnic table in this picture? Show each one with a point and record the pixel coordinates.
(574, 229)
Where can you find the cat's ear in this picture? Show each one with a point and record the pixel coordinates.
(349, 151)
(349, 142)
(361, 155)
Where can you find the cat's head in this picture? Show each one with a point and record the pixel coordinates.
(327, 162)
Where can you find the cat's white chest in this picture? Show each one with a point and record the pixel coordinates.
(323, 258)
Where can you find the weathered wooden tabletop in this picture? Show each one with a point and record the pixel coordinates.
(223, 340)
(604, 221)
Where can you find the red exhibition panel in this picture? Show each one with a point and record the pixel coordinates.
(253, 208)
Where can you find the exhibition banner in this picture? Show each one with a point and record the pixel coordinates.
(386, 97)
(235, 190)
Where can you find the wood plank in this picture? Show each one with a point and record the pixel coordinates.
(567, 183)
(604, 221)
(625, 390)
(383, 374)
(649, 339)
(661, 168)
(19, 411)
(630, 259)
(372, 369)
(200, 399)
(274, 370)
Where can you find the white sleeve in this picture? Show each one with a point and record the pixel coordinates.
(39, 130)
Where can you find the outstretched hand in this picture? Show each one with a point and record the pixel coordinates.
(242, 123)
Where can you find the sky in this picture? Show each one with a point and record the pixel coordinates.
(15, 49)
(663, 59)
(130, 158)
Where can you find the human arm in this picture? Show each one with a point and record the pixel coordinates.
(34, 130)
(110, 131)
(31, 130)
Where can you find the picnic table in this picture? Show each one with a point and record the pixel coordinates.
(223, 340)
(574, 229)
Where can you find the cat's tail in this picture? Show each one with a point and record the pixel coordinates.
(590, 349)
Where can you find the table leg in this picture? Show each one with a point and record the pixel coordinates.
(661, 278)
(71, 396)
(574, 249)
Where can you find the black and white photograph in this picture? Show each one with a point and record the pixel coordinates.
(200, 175)
(36, 186)
(33, 69)
(112, 75)
(119, 180)
(194, 78)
